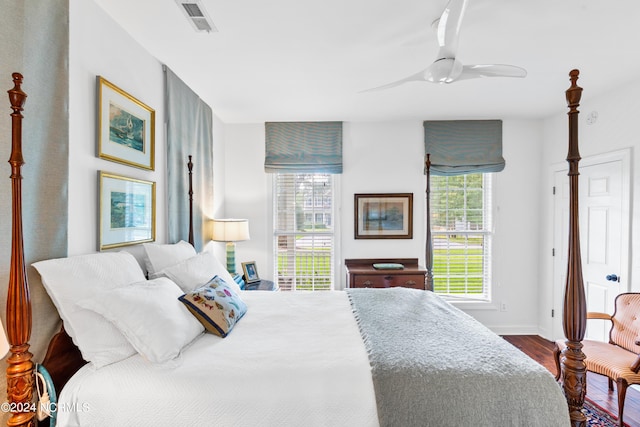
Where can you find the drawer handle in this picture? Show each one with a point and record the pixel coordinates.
(388, 277)
(410, 282)
(368, 283)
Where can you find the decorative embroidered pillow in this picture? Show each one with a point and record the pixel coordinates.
(216, 305)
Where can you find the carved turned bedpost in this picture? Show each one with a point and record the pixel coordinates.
(18, 321)
(574, 374)
(190, 167)
(429, 243)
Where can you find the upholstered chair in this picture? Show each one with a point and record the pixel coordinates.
(617, 359)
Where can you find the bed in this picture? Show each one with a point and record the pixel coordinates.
(375, 357)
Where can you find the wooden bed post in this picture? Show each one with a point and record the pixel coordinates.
(190, 167)
(429, 243)
(574, 373)
(18, 321)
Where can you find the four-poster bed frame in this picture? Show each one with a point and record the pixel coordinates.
(20, 367)
(20, 382)
(574, 313)
(574, 373)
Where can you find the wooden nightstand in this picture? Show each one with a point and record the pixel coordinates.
(262, 285)
(361, 274)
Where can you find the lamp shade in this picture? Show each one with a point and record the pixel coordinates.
(230, 230)
(4, 344)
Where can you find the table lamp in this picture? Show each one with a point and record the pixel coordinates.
(230, 231)
(4, 344)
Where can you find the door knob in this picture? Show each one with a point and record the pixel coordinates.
(613, 278)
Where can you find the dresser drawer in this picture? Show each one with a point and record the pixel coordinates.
(390, 280)
(361, 273)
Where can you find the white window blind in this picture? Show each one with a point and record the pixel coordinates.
(303, 231)
(462, 233)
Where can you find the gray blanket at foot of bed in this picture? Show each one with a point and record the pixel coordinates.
(434, 365)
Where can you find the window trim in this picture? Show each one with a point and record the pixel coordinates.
(336, 216)
(487, 302)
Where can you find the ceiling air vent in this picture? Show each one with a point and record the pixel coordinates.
(197, 15)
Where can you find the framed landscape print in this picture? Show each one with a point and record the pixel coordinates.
(126, 127)
(383, 216)
(127, 211)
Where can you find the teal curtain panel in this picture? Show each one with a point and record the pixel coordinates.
(189, 124)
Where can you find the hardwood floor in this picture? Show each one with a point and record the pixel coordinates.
(541, 350)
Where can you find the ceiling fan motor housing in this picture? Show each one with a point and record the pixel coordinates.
(443, 70)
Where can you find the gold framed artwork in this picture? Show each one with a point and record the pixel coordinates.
(383, 216)
(250, 272)
(127, 211)
(126, 127)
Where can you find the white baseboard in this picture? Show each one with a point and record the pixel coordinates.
(515, 330)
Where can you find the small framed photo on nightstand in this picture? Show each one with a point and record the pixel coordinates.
(250, 272)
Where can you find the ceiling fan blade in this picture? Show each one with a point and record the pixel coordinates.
(447, 68)
(449, 28)
(417, 77)
(492, 70)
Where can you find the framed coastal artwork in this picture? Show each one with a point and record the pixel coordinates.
(383, 216)
(127, 211)
(126, 127)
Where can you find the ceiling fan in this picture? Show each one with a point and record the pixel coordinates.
(447, 68)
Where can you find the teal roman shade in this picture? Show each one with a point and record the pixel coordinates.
(303, 147)
(459, 147)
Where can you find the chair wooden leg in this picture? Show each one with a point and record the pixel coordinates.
(556, 358)
(622, 392)
(610, 384)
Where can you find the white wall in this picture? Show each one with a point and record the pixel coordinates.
(379, 157)
(616, 128)
(247, 189)
(114, 55)
(517, 232)
(388, 157)
(385, 157)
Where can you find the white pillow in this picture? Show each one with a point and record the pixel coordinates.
(68, 280)
(150, 315)
(197, 271)
(158, 257)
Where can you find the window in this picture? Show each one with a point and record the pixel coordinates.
(462, 232)
(303, 233)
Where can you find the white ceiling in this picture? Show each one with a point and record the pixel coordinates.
(293, 60)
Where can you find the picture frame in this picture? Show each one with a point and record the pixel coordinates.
(250, 272)
(383, 216)
(126, 127)
(127, 211)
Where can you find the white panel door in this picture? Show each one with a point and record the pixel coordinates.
(604, 242)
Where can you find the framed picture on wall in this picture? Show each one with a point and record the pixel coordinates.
(250, 272)
(127, 211)
(126, 127)
(383, 216)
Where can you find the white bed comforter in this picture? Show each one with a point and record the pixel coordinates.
(295, 359)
